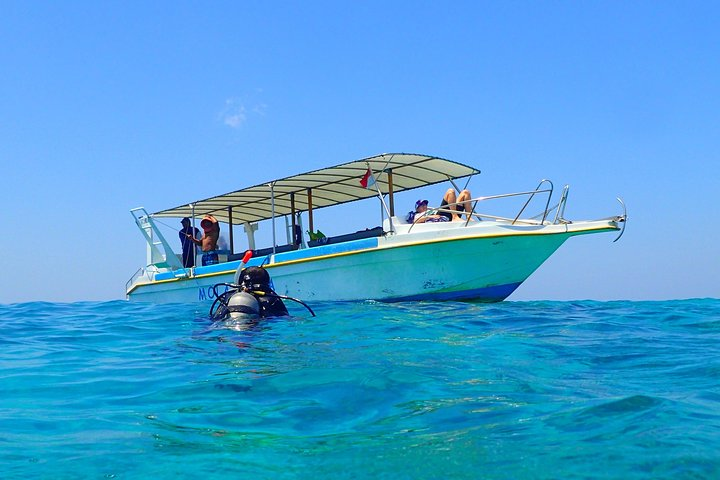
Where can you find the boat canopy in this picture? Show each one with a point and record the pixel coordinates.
(393, 172)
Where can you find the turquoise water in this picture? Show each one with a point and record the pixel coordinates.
(520, 390)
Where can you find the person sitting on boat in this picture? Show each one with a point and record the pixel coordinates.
(421, 215)
(209, 240)
(188, 249)
(455, 203)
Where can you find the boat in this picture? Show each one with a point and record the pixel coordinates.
(484, 257)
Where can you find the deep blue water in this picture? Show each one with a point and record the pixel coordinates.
(515, 390)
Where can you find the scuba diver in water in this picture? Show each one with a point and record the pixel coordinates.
(252, 298)
(256, 281)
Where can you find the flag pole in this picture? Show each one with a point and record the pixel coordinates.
(380, 195)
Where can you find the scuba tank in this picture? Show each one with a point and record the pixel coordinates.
(234, 304)
(241, 305)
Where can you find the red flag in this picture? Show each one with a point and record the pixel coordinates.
(368, 180)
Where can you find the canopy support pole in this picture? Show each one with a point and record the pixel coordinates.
(194, 249)
(310, 210)
(230, 228)
(272, 208)
(390, 192)
(294, 223)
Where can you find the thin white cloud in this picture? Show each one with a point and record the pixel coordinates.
(260, 109)
(234, 115)
(236, 111)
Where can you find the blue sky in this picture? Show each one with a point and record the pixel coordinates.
(106, 106)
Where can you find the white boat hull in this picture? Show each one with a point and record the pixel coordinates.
(483, 262)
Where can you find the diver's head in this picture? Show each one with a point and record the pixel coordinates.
(255, 278)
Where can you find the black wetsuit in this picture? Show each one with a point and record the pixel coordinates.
(271, 306)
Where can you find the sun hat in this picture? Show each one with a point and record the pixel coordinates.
(206, 224)
(420, 202)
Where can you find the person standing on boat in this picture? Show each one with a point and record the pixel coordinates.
(188, 248)
(208, 242)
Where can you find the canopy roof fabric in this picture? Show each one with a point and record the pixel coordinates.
(329, 186)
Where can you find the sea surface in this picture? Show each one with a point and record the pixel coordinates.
(446, 390)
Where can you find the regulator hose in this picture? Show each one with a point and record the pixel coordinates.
(220, 298)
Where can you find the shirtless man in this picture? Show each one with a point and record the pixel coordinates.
(208, 242)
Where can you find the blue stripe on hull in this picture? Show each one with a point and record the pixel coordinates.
(304, 254)
(496, 293)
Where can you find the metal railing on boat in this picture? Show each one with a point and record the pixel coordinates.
(530, 194)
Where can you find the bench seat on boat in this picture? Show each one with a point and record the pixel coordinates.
(360, 234)
(263, 251)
